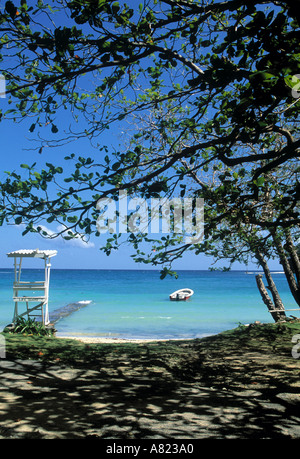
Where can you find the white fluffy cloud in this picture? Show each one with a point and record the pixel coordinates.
(78, 241)
(59, 241)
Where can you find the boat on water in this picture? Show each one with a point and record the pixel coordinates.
(182, 294)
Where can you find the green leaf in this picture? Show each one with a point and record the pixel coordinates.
(11, 9)
(262, 75)
(116, 166)
(260, 181)
(293, 81)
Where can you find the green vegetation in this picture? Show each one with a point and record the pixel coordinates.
(180, 356)
(29, 326)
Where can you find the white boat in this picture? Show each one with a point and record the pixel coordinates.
(181, 295)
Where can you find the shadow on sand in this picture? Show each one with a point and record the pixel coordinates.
(234, 396)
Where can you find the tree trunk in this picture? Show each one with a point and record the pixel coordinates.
(294, 261)
(277, 315)
(271, 284)
(294, 288)
(277, 302)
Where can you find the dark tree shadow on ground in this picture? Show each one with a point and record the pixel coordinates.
(140, 398)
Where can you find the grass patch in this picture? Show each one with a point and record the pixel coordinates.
(73, 352)
(274, 338)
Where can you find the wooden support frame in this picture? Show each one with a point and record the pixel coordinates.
(36, 292)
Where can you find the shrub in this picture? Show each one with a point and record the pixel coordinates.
(30, 326)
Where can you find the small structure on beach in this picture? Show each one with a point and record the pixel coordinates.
(35, 292)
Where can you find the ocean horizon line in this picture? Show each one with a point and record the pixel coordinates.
(145, 269)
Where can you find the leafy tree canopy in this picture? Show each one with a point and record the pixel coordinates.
(209, 90)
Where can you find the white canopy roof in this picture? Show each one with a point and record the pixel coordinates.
(33, 253)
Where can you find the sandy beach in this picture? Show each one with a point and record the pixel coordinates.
(98, 340)
(242, 384)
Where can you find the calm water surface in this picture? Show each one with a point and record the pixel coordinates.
(135, 304)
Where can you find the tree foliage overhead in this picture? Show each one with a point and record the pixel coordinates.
(208, 89)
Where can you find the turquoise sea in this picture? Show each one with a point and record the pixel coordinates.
(135, 303)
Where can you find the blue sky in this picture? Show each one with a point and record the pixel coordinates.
(15, 140)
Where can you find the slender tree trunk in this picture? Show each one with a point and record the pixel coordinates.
(277, 302)
(294, 287)
(277, 316)
(291, 249)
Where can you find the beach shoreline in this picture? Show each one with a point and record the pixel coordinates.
(98, 340)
